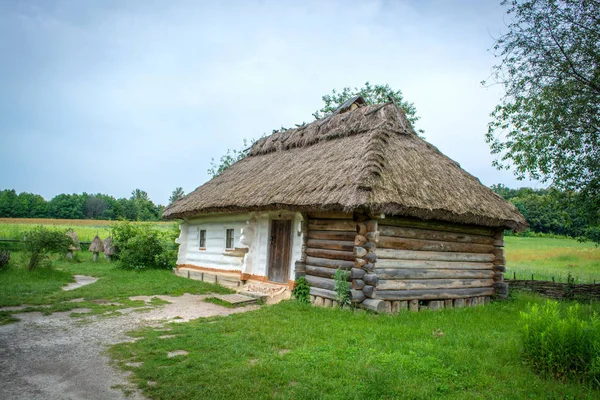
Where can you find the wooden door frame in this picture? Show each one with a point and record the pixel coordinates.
(280, 217)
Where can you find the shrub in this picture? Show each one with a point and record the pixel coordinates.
(41, 242)
(301, 290)
(143, 247)
(342, 287)
(562, 343)
(4, 258)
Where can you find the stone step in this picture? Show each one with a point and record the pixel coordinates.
(256, 295)
(235, 299)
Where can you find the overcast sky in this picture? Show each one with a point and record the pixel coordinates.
(109, 96)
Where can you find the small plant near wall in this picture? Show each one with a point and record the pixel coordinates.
(301, 290)
(342, 288)
(562, 342)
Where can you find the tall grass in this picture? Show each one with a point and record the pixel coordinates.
(86, 229)
(548, 258)
(562, 343)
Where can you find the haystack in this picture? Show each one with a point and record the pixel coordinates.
(75, 246)
(96, 247)
(109, 249)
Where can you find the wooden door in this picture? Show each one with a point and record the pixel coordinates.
(279, 250)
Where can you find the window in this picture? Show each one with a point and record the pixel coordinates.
(229, 239)
(202, 239)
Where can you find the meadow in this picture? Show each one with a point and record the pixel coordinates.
(86, 229)
(548, 258)
(292, 350)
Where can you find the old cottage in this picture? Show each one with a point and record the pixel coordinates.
(360, 191)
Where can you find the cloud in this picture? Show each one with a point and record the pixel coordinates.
(109, 96)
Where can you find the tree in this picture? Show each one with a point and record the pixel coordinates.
(547, 125)
(373, 94)
(177, 194)
(228, 159)
(66, 206)
(94, 206)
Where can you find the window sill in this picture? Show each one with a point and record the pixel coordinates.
(235, 252)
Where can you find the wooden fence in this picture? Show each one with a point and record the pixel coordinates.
(558, 290)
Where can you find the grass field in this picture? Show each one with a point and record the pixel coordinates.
(546, 258)
(294, 351)
(86, 229)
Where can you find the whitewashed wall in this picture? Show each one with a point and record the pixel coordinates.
(258, 251)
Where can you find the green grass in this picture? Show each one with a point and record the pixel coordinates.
(41, 288)
(546, 258)
(292, 350)
(14, 228)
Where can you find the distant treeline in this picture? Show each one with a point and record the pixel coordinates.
(555, 211)
(138, 207)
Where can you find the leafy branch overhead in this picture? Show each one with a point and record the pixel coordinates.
(548, 123)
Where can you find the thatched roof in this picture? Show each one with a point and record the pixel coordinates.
(366, 159)
(96, 246)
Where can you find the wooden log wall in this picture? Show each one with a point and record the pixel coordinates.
(433, 265)
(329, 246)
(400, 264)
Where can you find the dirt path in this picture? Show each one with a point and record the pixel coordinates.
(60, 357)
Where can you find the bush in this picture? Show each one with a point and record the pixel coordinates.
(301, 290)
(4, 258)
(140, 246)
(342, 287)
(563, 344)
(41, 242)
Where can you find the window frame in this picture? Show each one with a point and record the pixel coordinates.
(228, 238)
(202, 239)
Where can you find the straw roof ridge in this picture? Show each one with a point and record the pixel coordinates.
(361, 120)
(369, 158)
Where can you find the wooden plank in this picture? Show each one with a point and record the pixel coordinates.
(374, 305)
(430, 234)
(433, 294)
(332, 235)
(356, 295)
(331, 225)
(390, 242)
(332, 254)
(437, 225)
(425, 264)
(330, 244)
(319, 282)
(433, 255)
(330, 215)
(385, 274)
(330, 263)
(320, 271)
(318, 292)
(412, 284)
